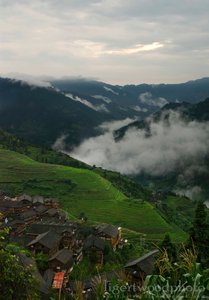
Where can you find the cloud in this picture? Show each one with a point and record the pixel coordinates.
(118, 41)
(60, 142)
(110, 90)
(136, 49)
(99, 107)
(94, 49)
(173, 145)
(30, 80)
(139, 109)
(111, 126)
(148, 99)
(193, 193)
(103, 98)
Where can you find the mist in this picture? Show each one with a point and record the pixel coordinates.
(173, 145)
(34, 81)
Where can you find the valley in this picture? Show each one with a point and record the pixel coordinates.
(127, 185)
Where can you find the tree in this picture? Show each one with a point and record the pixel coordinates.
(16, 281)
(42, 261)
(167, 245)
(199, 233)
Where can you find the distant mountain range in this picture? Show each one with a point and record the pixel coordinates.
(74, 109)
(134, 100)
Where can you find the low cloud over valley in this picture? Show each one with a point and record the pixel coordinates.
(173, 145)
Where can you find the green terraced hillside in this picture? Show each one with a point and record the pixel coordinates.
(82, 190)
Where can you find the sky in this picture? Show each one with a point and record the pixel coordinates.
(116, 41)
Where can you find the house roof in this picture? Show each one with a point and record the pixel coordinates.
(39, 199)
(10, 204)
(94, 241)
(109, 230)
(58, 280)
(51, 200)
(145, 263)
(52, 212)
(64, 256)
(28, 262)
(27, 214)
(40, 209)
(24, 197)
(38, 228)
(54, 200)
(48, 277)
(48, 239)
(15, 222)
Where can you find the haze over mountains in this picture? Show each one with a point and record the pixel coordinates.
(86, 118)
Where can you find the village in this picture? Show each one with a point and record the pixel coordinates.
(41, 226)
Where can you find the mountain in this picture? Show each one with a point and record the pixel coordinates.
(133, 100)
(193, 112)
(70, 111)
(42, 115)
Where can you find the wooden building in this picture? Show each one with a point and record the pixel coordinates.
(94, 249)
(62, 261)
(47, 242)
(111, 233)
(137, 269)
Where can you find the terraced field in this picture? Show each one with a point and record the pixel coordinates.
(82, 190)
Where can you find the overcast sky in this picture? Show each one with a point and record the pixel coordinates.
(117, 41)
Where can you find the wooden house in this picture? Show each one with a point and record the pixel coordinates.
(47, 242)
(40, 209)
(67, 231)
(10, 207)
(111, 233)
(137, 269)
(17, 227)
(62, 261)
(29, 216)
(38, 200)
(25, 199)
(52, 202)
(52, 213)
(94, 249)
(68, 238)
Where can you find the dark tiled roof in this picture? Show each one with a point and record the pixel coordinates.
(38, 228)
(15, 222)
(94, 241)
(48, 277)
(24, 197)
(64, 256)
(28, 262)
(109, 230)
(28, 214)
(10, 204)
(48, 239)
(54, 200)
(145, 263)
(40, 209)
(52, 212)
(39, 199)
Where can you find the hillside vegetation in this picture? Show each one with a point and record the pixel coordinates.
(82, 190)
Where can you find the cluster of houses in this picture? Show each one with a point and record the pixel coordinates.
(38, 224)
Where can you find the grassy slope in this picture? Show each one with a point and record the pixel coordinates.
(90, 193)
